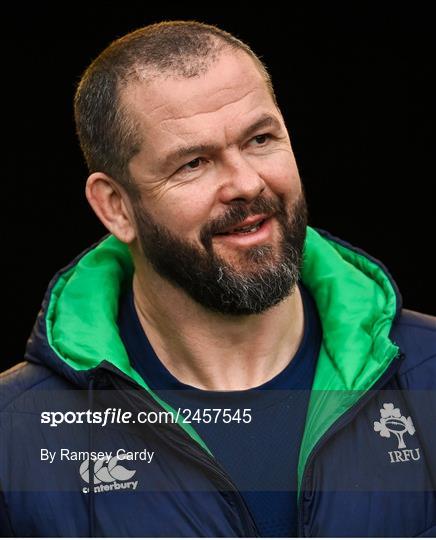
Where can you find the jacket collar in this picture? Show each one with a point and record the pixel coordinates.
(356, 298)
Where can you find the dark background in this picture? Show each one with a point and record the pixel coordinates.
(354, 88)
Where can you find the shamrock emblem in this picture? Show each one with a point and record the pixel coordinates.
(392, 421)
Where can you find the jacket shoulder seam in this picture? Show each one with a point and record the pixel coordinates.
(12, 371)
(420, 326)
(26, 390)
(417, 365)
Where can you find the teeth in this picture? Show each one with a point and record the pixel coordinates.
(249, 228)
(245, 230)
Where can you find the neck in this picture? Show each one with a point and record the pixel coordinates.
(212, 351)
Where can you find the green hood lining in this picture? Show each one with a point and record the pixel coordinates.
(357, 304)
(355, 298)
(82, 314)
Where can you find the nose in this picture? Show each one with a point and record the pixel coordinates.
(240, 181)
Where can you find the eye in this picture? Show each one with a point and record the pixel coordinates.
(262, 139)
(192, 165)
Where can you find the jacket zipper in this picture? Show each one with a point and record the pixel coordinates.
(196, 452)
(339, 424)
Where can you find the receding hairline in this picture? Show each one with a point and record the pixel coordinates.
(200, 65)
(146, 75)
(109, 128)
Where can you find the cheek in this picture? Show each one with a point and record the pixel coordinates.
(281, 174)
(188, 211)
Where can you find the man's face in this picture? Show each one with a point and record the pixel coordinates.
(216, 157)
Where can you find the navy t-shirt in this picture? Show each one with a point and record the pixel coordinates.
(260, 455)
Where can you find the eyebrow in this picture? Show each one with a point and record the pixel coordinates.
(265, 121)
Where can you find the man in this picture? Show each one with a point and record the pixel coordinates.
(298, 396)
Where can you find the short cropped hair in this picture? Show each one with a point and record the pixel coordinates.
(108, 132)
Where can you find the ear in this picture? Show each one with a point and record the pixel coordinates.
(111, 205)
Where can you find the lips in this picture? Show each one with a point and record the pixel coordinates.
(260, 232)
(251, 224)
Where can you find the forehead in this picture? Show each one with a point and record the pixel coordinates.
(229, 96)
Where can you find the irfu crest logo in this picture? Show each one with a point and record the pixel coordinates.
(392, 422)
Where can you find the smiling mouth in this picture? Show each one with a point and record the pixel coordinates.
(255, 234)
(249, 229)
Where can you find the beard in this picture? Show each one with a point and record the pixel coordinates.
(265, 276)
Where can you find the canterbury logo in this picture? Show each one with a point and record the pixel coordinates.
(106, 473)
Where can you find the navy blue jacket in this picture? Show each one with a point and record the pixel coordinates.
(367, 460)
